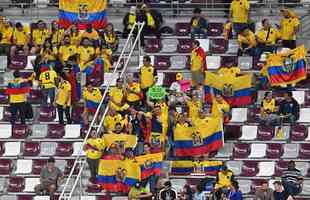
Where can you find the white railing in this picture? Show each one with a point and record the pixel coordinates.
(80, 162)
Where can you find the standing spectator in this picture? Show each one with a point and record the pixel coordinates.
(6, 38)
(289, 25)
(111, 119)
(220, 107)
(153, 20)
(117, 96)
(50, 178)
(57, 34)
(239, 14)
(224, 179)
(199, 25)
(279, 192)
(134, 94)
(20, 39)
(63, 100)
(234, 193)
(199, 194)
(148, 74)
(110, 38)
(289, 108)
(92, 97)
(138, 192)
(198, 64)
(247, 43)
(48, 82)
(91, 34)
(167, 192)
(74, 34)
(93, 148)
(268, 114)
(66, 50)
(86, 52)
(129, 20)
(292, 179)
(264, 192)
(39, 35)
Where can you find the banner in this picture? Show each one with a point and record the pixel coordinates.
(83, 12)
(287, 69)
(150, 164)
(188, 167)
(122, 140)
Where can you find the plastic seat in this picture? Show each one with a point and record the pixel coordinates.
(235, 166)
(225, 151)
(169, 78)
(41, 198)
(249, 132)
(307, 98)
(253, 115)
(303, 167)
(162, 62)
(7, 114)
(69, 167)
(16, 184)
(55, 131)
(18, 62)
(290, 151)
(215, 29)
(6, 131)
(227, 60)
(241, 150)
(169, 45)
(239, 115)
(76, 148)
(245, 62)
(48, 148)
(30, 183)
(182, 28)
(298, 132)
(9, 197)
(274, 150)
(72, 131)
(299, 96)
(47, 114)
(29, 65)
(64, 149)
(35, 96)
(306, 187)
(249, 168)
(304, 151)
(39, 130)
(184, 46)
(152, 45)
(23, 166)
(304, 115)
(233, 47)
(20, 131)
(205, 44)
(213, 62)
(31, 148)
(5, 166)
(178, 62)
(3, 185)
(280, 167)
(265, 133)
(218, 46)
(37, 165)
(245, 186)
(12, 148)
(4, 99)
(286, 131)
(266, 168)
(232, 132)
(258, 150)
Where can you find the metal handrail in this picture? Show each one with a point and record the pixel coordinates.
(79, 159)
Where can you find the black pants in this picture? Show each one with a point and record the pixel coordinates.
(18, 108)
(93, 166)
(289, 44)
(61, 110)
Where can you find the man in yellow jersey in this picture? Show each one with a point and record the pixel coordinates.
(239, 14)
(129, 20)
(148, 74)
(56, 34)
(117, 96)
(66, 50)
(111, 119)
(86, 52)
(134, 94)
(63, 100)
(199, 25)
(194, 105)
(220, 108)
(224, 179)
(39, 35)
(247, 43)
(289, 26)
(20, 39)
(6, 38)
(48, 82)
(93, 148)
(90, 33)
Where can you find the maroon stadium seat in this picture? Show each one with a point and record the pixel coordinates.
(169, 78)
(184, 46)
(55, 131)
(18, 62)
(232, 132)
(64, 149)
(274, 150)
(215, 29)
(1, 148)
(69, 167)
(249, 168)
(304, 151)
(182, 29)
(31, 148)
(152, 45)
(253, 115)
(218, 46)
(35, 96)
(4, 99)
(24, 197)
(83, 131)
(307, 98)
(280, 167)
(16, 184)
(47, 114)
(226, 60)
(96, 80)
(241, 150)
(5, 166)
(37, 165)
(7, 113)
(265, 133)
(299, 132)
(20, 131)
(162, 62)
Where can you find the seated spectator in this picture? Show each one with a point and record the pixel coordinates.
(224, 179)
(56, 34)
(39, 35)
(74, 34)
(48, 81)
(129, 20)
(289, 108)
(292, 179)
(247, 43)
(199, 194)
(110, 38)
(50, 178)
(86, 52)
(167, 192)
(234, 193)
(268, 114)
(199, 25)
(92, 97)
(66, 50)
(20, 39)
(279, 193)
(117, 96)
(138, 192)
(6, 32)
(91, 34)
(264, 192)
(49, 54)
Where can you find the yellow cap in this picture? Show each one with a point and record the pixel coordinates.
(148, 114)
(179, 76)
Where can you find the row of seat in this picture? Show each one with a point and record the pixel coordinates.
(83, 197)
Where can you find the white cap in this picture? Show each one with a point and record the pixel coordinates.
(132, 10)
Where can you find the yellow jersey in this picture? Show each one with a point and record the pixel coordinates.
(92, 36)
(75, 39)
(288, 26)
(147, 75)
(218, 109)
(201, 125)
(66, 51)
(111, 121)
(39, 36)
(150, 20)
(197, 59)
(229, 72)
(133, 91)
(224, 180)
(49, 54)
(57, 36)
(64, 94)
(20, 38)
(94, 148)
(86, 53)
(240, 11)
(273, 36)
(250, 39)
(7, 33)
(95, 95)
(194, 107)
(48, 79)
(271, 105)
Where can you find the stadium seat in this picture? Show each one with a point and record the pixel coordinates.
(12, 148)
(265, 133)
(215, 29)
(213, 62)
(205, 44)
(39, 130)
(233, 47)
(218, 46)
(77, 146)
(306, 187)
(37, 165)
(298, 132)
(239, 115)
(3, 185)
(245, 186)
(47, 114)
(274, 150)
(304, 115)
(72, 131)
(235, 166)
(169, 78)
(162, 62)
(266, 168)
(249, 169)
(226, 60)
(254, 114)
(6, 131)
(1, 148)
(307, 98)
(23, 166)
(3, 63)
(41, 198)
(280, 167)
(245, 62)
(182, 28)
(303, 167)
(184, 46)
(241, 150)
(7, 114)
(304, 151)
(55, 131)
(35, 96)
(5, 166)
(232, 132)
(29, 65)
(4, 99)
(69, 166)
(178, 62)
(169, 45)
(249, 133)
(64, 149)
(30, 183)
(31, 148)
(299, 96)
(16, 184)
(9, 197)
(225, 151)
(48, 148)
(152, 45)
(18, 62)
(286, 130)
(290, 151)
(20, 131)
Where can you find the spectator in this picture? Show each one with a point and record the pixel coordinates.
(6, 38)
(86, 52)
(152, 19)
(92, 97)
(39, 35)
(224, 179)
(199, 194)
(93, 149)
(264, 192)
(66, 50)
(48, 82)
(279, 192)
(117, 97)
(17, 97)
(110, 38)
(229, 71)
(292, 179)
(134, 94)
(20, 39)
(49, 55)
(63, 100)
(239, 14)
(194, 105)
(268, 114)
(234, 193)
(289, 25)
(247, 42)
(289, 108)
(220, 108)
(199, 25)
(138, 192)
(267, 38)
(198, 64)
(187, 193)
(227, 30)
(91, 34)
(57, 34)
(167, 192)
(50, 178)
(111, 119)
(148, 74)
(74, 34)
(129, 20)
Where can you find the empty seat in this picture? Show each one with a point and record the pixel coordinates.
(184, 46)
(253, 115)
(64, 149)
(304, 151)
(9, 197)
(290, 151)
(5, 166)
(299, 132)
(55, 131)
(23, 166)
(41, 198)
(47, 114)
(29, 65)
(182, 28)
(6, 130)
(31, 148)
(245, 62)
(245, 186)
(48, 148)
(303, 167)
(213, 62)
(218, 46)
(215, 29)
(249, 168)
(306, 187)
(3, 185)
(280, 167)
(1, 148)
(162, 62)
(69, 167)
(241, 150)
(239, 115)
(265, 133)
(235, 166)
(178, 62)
(205, 44)
(18, 62)
(274, 150)
(20, 131)
(39, 130)
(30, 183)
(299, 96)
(72, 131)
(225, 151)
(169, 45)
(3, 63)
(304, 116)
(12, 148)
(152, 45)
(16, 184)
(77, 146)
(249, 132)
(258, 150)
(232, 132)
(266, 169)
(233, 47)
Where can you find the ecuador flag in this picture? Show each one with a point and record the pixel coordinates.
(94, 67)
(188, 166)
(118, 175)
(16, 88)
(192, 143)
(127, 141)
(288, 68)
(83, 12)
(150, 164)
(237, 91)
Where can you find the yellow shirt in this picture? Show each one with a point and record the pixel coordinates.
(201, 125)
(67, 51)
(111, 121)
(117, 95)
(75, 39)
(196, 60)
(229, 72)
(95, 95)
(64, 94)
(92, 36)
(194, 107)
(133, 89)
(110, 38)
(17, 98)
(147, 76)
(218, 109)
(240, 11)
(48, 79)
(271, 106)
(20, 37)
(227, 29)
(58, 36)
(7, 33)
(131, 20)
(94, 148)
(250, 39)
(39, 36)
(288, 26)
(274, 35)
(224, 180)
(85, 54)
(50, 55)
(150, 20)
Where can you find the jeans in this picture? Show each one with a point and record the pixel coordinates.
(17, 108)
(199, 32)
(61, 110)
(291, 188)
(50, 92)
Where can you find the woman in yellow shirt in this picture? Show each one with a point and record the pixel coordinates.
(247, 43)
(74, 34)
(110, 38)
(268, 110)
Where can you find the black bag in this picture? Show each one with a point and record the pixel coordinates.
(28, 111)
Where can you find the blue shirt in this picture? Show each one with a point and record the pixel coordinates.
(235, 195)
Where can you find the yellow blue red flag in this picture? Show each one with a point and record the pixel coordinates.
(150, 164)
(182, 167)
